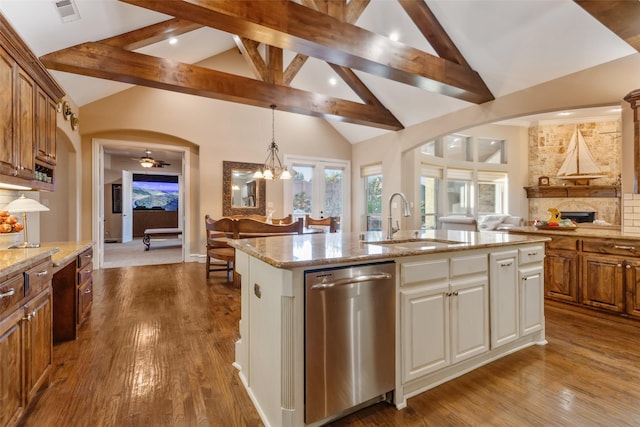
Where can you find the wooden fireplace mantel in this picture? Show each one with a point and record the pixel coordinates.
(573, 191)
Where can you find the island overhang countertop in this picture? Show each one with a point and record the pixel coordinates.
(334, 248)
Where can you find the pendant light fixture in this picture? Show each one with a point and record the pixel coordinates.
(272, 168)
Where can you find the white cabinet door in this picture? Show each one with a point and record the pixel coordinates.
(531, 300)
(469, 327)
(425, 329)
(504, 297)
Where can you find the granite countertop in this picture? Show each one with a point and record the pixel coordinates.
(579, 231)
(13, 260)
(329, 248)
(66, 251)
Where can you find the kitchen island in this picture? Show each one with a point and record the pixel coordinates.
(462, 299)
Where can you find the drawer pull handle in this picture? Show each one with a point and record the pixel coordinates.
(532, 253)
(88, 256)
(626, 248)
(88, 270)
(619, 265)
(42, 273)
(506, 264)
(628, 266)
(88, 291)
(9, 293)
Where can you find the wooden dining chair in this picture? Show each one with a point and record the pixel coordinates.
(217, 248)
(247, 227)
(332, 223)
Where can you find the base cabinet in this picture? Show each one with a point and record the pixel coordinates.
(632, 286)
(11, 369)
(603, 282)
(25, 339)
(561, 275)
(504, 298)
(444, 306)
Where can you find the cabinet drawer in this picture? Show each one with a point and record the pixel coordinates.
(85, 273)
(38, 277)
(567, 243)
(530, 254)
(11, 292)
(85, 257)
(414, 272)
(613, 247)
(475, 264)
(85, 298)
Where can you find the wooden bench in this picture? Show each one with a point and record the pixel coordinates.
(159, 232)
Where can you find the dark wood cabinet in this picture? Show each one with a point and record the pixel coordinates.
(38, 342)
(632, 287)
(28, 102)
(603, 282)
(25, 338)
(45, 128)
(72, 296)
(561, 275)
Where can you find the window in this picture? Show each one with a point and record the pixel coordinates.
(492, 151)
(458, 147)
(459, 192)
(491, 192)
(373, 197)
(432, 148)
(318, 188)
(430, 179)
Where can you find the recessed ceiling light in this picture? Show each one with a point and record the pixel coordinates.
(395, 36)
(173, 40)
(333, 81)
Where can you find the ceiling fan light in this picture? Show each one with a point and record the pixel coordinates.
(146, 162)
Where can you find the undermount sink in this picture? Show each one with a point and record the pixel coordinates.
(416, 244)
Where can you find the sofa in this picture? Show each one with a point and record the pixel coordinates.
(498, 222)
(484, 223)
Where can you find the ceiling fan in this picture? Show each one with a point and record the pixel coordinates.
(147, 161)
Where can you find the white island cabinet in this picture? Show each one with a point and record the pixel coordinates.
(458, 306)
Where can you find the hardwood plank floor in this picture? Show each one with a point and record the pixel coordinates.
(158, 348)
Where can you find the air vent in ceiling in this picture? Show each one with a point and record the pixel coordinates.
(68, 10)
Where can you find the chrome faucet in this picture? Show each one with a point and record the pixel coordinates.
(405, 212)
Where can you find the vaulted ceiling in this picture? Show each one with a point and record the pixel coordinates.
(444, 56)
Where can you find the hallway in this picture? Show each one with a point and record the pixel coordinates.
(159, 346)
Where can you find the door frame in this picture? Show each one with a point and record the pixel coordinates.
(97, 195)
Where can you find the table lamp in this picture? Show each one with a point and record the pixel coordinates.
(24, 205)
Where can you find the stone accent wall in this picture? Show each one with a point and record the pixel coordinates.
(548, 145)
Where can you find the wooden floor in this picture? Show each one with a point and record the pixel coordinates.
(158, 349)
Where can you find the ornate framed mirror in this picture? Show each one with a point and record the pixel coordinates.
(242, 194)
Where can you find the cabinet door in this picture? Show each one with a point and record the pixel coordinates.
(7, 149)
(632, 287)
(24, 136)
(531, 300)
(504, 297)
(603, 282)
(11, 369)
(45, 127)
(425, 330)
(561, 275)
(39, 342)
(469, 329)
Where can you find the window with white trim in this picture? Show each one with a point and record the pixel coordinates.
(372, 181)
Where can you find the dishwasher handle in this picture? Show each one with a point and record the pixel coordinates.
(352, 280)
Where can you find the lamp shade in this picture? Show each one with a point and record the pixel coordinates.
(24, 204)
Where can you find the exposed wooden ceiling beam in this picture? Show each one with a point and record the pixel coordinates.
(291, 26)
(620, 16)
(431, 29)
(112, 63)
(249, 50)
(151, 34)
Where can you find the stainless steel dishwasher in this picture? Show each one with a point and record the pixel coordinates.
(349, 337)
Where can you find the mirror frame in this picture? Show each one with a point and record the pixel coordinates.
(227, 208)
